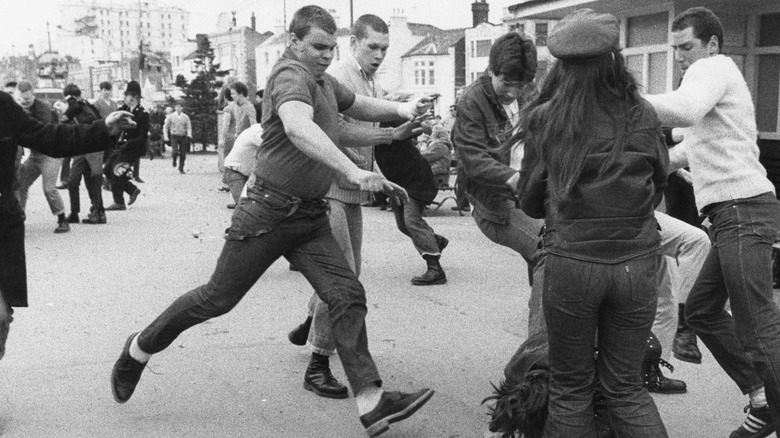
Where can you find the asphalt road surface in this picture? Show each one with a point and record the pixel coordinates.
(237, 375)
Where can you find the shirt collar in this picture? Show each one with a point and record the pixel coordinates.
(357, 67)
(289, 54)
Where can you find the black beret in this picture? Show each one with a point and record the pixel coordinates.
(584, 34)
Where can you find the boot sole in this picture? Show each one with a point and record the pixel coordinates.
(686, 359)
(442, 281)
(383, 425)
(311, 388)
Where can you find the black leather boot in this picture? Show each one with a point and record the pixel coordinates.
(300, 334)
(434, 274)
(320, 380)
(654, 379)
(685, 347)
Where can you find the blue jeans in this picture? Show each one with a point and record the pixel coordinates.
(615, 304)
(346, 222)
(409, 220)
(739, 268)
(265, 226)
(47, 168)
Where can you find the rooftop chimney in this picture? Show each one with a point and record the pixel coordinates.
(254, 22)
(479, 12)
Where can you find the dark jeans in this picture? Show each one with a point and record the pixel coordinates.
(615, 304)
(265, 226)
(409, 220)
(80, 168)
(739, 268)
(180, 145)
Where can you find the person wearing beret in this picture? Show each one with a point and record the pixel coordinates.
(131, 146)
(714, 107)
(594, 167)
(54, 140)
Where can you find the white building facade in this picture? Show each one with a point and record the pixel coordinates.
(92, 29)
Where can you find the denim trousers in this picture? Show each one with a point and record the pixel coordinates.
(346, 223)
(409, 220)
(521, 233)
(265, 226)
(93, 181)
(235, 180)
(47, 168)
(685, 248)
(615, 304)
(739, 268)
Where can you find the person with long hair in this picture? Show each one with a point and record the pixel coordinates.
(594, 168)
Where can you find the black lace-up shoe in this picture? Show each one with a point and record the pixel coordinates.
(126, 374)
(393, 407)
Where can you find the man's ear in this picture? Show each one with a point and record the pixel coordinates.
(713, 47)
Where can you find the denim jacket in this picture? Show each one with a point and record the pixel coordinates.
(607, 218)
(480, 135)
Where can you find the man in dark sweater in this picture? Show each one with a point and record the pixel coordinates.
(17, 128)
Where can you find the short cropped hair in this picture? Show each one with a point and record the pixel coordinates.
(311, 16)
(704, 22)
(360, 28)
(23, 86)
(514, 56)
(71, 90)
(240, 88)
(105, 85)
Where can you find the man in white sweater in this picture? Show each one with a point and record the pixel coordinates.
(714, 106)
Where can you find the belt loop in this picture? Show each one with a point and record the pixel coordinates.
(296, 202)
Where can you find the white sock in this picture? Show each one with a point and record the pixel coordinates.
(368, 398)
(136, 352)
(758, 398)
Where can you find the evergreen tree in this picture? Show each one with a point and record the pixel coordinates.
(200, 94)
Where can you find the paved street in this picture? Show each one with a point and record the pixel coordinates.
(238, 376)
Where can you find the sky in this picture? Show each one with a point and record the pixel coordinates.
(24, 21)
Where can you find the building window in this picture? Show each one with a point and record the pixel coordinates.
(472, 49)
(768, 75)
(769, 30)
(541, 34)
(768, 92)
(416, 77)
(483, 48)
(431, 77)
(647, 30)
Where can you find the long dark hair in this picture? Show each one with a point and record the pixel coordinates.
(556, 121)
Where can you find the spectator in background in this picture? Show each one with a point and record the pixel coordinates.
(438, 153)
(259, 105)
(241, 160)
(449, 120)
(105, 106)
(39, 164)
(131, 145)
(89, 166)
(178, 131)
(239, 114)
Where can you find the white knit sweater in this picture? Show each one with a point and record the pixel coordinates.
(714, 104)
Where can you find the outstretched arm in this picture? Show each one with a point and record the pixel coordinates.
(298, 120)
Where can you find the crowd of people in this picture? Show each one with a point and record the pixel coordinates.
(568, 173)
